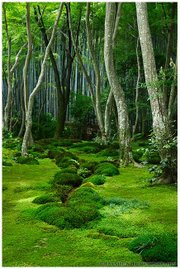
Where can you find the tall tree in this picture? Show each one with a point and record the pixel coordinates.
(26, 68)
(161, 121)
(37, 87)
(63, 77)
(123, 120)
(10, 72)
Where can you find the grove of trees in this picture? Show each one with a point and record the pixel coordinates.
(103, 71)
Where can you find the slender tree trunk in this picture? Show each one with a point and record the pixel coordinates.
(107, 115)
(37, 87)
(123, 120)
(137, 88)
(97, 75)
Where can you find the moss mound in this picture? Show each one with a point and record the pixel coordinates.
(156, 248)
(27, 160)
(65, 159)
(44, 199)
(85, 196)
(61, 178)
(71, 170)
(73, 216)
(89, 165)
(96, 179)
(106, 169)
(62, 191)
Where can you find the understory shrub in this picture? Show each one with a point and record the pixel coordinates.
(61, 178)
(44, 199)
(156, 248)
(137, 154)
(106, 169)
(6, 163)
(96, 179)
(26, 160)
(152, 156)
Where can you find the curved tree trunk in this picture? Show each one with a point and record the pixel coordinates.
(123, 120)
(37, 87)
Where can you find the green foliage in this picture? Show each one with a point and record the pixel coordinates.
(6, 163)
(61, 178)
(106, 169)
(26, 160)
(156, 247)
(96, 179)
(82, 113)
(137, 154)
(12, 143)
(44, 199)
(44, 127)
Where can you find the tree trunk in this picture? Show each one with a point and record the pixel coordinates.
(161, 127)
(123, 120)
(137, 88)
(37, 87)
(97, 75)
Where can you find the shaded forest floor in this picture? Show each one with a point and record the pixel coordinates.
(103, 242)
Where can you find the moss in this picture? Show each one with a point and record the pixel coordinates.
(44, 199)
(89, 165)
(96, 179)
(71, 169)
(156, 247)
(88, 184)
(85, 195)
(27, 160)
(66, 179)
(106, 169)
(66, 159)
(52, 214)
(63, 191)
(109, 152)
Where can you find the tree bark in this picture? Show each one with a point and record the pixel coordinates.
(123, 120)
(37, 87)
(137, 88)
(161, 125)
(97, 75)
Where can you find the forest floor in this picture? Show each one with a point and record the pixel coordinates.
(104, 242)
